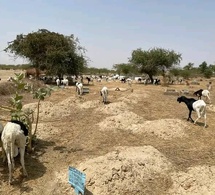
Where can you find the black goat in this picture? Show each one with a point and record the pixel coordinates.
(156, 81)
(189, 102)
(123, 80)
(198, 93)
(194, 105)
(139, 79)
(88, 80)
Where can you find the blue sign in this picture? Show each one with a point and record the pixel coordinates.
(77, 179)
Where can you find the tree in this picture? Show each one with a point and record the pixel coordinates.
(56, 53)
(189, 66)
(123, 68)
(175, 72)
(212, 67)
(185, 74)
(203, 66)
(154, 60)
(208, 73)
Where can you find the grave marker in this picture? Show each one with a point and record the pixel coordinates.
(77, 179)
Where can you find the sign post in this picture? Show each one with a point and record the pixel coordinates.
(77, 179)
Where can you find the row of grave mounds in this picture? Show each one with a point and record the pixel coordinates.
(185, 92)
(171, 91)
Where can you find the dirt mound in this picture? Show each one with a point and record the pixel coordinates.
(128, 170)
(71, 101)
(113, 108)
(50, 110)
(197, 180)
(163, 128)
(89, 104)
(120, 121)
(129, 121)
(133, 98)
(45, 130)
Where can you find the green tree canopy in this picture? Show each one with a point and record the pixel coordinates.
(56, 53)
(124, 68)
(203, 66)
(189, 66)
(154, 60)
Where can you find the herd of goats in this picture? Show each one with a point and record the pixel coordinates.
(14, 133)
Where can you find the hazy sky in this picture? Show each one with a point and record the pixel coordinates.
(111, 29)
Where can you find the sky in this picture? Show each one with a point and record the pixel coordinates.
(111, 29)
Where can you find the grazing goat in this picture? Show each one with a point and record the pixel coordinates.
(194, 105)
(65, 82)
(156, 81)
(204, 93)
(14, 137)
(104, 94)
(139, 79)
(79, 88)
(89, 80)
(58, 82)
(123, 80)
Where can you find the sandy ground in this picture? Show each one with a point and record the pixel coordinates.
(139, 143)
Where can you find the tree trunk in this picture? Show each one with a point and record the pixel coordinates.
(151, 78)
(164, 79)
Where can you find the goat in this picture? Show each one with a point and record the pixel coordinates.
(79, 88)
(122, 80)
(156, 81)
(1, 129)
(194, 105)
(58, 82)
(65, 82)
(209, 86)
(89, 80)
(204, 93)
(10, 79)
(104, 94)
(14, 137)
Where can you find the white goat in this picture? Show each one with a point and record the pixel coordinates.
(14, 137)
(206, 94)
(104, 94)
(1, 129)
(79, 88)
(65, 82)
(58, 82)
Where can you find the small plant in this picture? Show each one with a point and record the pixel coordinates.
(16, 102)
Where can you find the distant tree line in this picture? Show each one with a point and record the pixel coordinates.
(86, 70)
(14, 67)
